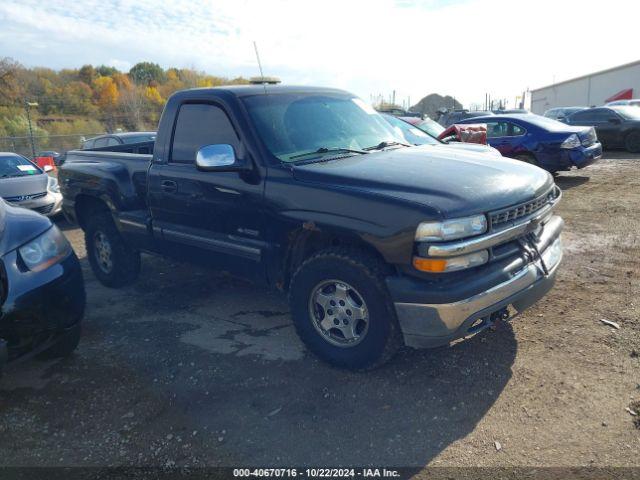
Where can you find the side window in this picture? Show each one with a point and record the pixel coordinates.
(112, 142)
(586, 116)
(200, 124)
(100, 142)
(497, 129)
(88, 144)
(608, 115)
(516, 130)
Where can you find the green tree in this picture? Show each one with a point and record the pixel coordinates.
(147, 73)
(87, 74)
(105, 71)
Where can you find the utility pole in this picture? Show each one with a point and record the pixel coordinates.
(27, 107)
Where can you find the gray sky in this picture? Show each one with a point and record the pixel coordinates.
(458, 47)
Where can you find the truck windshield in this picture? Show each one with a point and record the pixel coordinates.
(292, 125)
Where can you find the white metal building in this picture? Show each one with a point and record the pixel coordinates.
(589, 90)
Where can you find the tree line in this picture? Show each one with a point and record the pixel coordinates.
(88, 100)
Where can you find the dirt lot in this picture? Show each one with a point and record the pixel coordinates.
(189, 367)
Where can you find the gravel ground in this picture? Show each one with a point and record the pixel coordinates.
(190, 367)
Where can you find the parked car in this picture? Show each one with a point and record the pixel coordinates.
(634, 102)
(416, 136)
(541, 141)
(562, 113)
(145, 148)
(113, 139)
(617, 127)
(311, 191)
(449, 118)
(41, 288)
(25, 184)
(425, 124)
(509, 111)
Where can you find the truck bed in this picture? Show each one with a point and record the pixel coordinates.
(126, 173)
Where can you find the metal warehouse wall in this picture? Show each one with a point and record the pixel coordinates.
(589, 90)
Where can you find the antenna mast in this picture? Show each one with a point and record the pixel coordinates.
(255, 47)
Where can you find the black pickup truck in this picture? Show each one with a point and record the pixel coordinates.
(309, 190)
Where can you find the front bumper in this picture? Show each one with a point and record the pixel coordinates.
(426, 325)
(49, 205)
(41, 306)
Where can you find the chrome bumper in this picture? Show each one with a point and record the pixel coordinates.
(430, 325)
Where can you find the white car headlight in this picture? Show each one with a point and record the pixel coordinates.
(53, 185)
(45, 250)
(572, 141)
(451, 229)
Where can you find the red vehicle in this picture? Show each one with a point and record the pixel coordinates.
(472, 133)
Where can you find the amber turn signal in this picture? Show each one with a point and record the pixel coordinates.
(429, 264)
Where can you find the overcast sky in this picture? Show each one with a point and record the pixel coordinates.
(458, 47)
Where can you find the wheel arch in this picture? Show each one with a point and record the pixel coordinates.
(86, 205)
(306, 241)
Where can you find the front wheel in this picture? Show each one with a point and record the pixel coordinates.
(65, 345)
(342, 311)
(632, 142)
(113, 262)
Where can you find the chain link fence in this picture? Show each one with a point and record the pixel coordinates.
(57, 143)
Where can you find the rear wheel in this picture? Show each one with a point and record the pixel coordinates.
(632, 142)
(113, 262)
(342, 311)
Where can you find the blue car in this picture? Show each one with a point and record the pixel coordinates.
(541, 141)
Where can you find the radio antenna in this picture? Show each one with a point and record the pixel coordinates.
(264, 84)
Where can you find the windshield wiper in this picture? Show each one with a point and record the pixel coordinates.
(386, 144)
(322, 150)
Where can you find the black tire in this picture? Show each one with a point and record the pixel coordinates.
(365, 274)
(125, 261)
(526, 158)
(632, 142)
(65, 345)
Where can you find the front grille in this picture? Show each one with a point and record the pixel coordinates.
(524, 209)
(44, 209)
(22, 198)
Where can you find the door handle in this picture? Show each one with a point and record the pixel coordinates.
(169, 186)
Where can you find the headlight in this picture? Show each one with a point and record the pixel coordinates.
(451, 229)
(53, 185)
(46, 250)
(439, 265)
(572, 141)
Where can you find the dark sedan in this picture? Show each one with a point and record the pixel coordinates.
(41, 287)
(547, 143)
(617, 127)
(115, 139)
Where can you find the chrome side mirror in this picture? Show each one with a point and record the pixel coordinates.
(220, 157)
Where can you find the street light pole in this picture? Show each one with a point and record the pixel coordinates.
(27, 107)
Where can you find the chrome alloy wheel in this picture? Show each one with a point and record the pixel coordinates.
(339, 313)
(102, 249)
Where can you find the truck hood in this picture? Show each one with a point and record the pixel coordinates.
(455, 182)
(18, 226)
(26, 185)
(470, 147)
